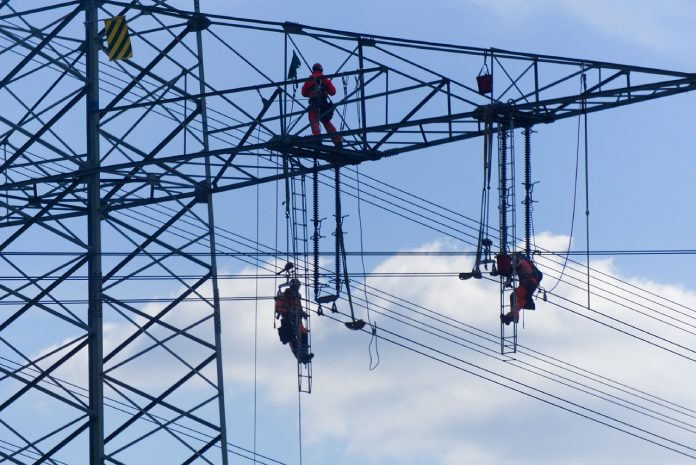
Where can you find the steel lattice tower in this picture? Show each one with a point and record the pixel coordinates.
(109, 174)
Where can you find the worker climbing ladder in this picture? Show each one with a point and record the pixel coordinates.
(508, 230)
(297, 209)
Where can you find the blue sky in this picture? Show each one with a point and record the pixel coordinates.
(413, 409)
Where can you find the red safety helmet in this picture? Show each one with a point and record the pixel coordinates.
(317, 67)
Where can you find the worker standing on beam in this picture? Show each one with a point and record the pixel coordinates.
(318, 89)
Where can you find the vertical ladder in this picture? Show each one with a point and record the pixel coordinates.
(300, 252)
(508, 229)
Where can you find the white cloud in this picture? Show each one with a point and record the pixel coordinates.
(413, 409)
(663, 27)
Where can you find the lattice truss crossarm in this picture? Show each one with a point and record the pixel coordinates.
(164, 141)
(406, 105)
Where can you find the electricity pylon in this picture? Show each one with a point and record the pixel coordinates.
(109, 173)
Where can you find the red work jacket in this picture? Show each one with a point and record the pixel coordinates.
(317, 92)
(287, 302)
(526, 274)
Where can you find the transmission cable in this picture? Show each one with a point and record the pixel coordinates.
(588, 248)
(536, 393)
(434, 228)
(563, 380)
(587, 185)
(122, 407)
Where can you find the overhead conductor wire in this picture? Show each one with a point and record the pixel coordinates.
(256, 316)
(587, 212)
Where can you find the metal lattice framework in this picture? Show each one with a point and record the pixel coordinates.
(109, 171)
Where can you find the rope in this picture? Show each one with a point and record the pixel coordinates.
(275, 255)
(575, 202)
(299, 422)
(373, 338)
(344, 81)
(287, 210)
(339, 229)
(484, 200)
(256, 315)
(587, 188)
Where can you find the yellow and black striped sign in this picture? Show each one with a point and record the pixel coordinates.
(117, 38)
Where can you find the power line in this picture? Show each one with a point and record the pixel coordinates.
(628, 333)
(368, 253)
(126, 408)
(603, 419)
(430, 219)
(629, 433)
(492, 352)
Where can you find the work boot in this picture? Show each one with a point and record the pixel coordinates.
(506, 319)
(304, 356)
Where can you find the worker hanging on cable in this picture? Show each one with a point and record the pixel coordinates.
(318, 88)
(529, 277)
(288, 307)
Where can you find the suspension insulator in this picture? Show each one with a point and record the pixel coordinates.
(315, 220)
(528, 191)
(339, 228)
(502, 140)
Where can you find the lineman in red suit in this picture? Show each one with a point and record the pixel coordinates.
(521, 297)
(288, 307)
(318, 88)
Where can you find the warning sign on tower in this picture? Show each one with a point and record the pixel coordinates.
(117, 38)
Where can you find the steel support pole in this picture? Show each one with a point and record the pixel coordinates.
(94, 264)
(363, 115)
(213, 249)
